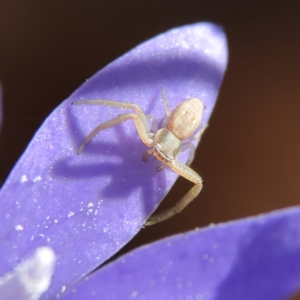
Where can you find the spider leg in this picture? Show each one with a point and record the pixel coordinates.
(200, 132)
(147, 154)
(122, 105)
(167, 108)
(154, 123)
(189, 145)
(139, 118)
(189, 174)
(144, 134)
(192, 149)
(161, 167)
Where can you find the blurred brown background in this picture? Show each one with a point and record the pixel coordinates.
(249, 157)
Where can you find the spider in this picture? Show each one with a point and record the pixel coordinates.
(166, 143)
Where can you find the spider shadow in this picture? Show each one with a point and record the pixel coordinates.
(119, 163)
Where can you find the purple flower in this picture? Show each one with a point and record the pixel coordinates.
(86, 207)
(255, 258)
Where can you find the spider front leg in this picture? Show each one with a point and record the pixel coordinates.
(139, 119)
(111, 123)
(190, 175)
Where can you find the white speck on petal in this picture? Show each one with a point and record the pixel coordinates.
(19, 227)
(91, 204)
(37, 178)
(70, 214)
(23, 179)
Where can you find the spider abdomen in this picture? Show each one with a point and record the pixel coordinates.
(186, 118)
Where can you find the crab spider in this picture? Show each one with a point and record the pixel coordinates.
(165, 143)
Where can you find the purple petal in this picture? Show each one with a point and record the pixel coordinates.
(255, 258)
(86, 207)
(31, 278)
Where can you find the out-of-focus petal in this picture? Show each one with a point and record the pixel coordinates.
(87, 206)
(255, 258)
(31, 278)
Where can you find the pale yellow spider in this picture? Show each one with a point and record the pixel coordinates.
(165, 143)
